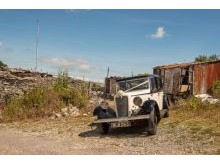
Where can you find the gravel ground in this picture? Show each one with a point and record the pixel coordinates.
(74, 136)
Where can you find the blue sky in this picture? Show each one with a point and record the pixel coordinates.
(86, 42)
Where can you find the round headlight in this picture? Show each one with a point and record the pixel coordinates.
(137, 101)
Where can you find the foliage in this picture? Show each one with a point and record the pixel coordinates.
(216, 85)
(216, 89)
(206, 58)
(69, 94)
(2, 64)
(44, 100)
(62, 81)
(143, 74)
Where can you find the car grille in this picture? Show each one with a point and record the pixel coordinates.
(122, 106)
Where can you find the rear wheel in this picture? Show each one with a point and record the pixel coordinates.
(103, 128)
(167, 113)
(152, 123)
(166, 106)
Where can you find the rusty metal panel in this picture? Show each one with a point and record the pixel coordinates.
(201, 76)
(204, 77)
(110, 85)
(172, 80)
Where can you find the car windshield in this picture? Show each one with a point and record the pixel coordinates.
(134, 84)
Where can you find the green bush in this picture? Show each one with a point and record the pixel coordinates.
(2, 64)
(216, 89)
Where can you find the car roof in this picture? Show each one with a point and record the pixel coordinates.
(136, 77)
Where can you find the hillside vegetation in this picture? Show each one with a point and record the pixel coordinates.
(42, 101)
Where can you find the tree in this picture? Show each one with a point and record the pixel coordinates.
(2, 64)
(206, 58)
(143, 74)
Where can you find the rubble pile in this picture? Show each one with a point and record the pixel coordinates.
(69, 110)
(15, 81)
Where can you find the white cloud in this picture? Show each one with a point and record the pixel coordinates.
(1, 44)
(160, 33)
(78, 64)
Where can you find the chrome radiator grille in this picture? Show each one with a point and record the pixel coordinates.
(122, 106)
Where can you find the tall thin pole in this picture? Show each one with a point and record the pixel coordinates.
(37, 40)
(107, 72)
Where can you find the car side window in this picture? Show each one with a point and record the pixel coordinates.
(156, 84)
(153, 85)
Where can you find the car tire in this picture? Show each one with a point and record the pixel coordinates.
(152, 123)
(103, 128)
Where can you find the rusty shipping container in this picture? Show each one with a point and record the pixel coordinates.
(190, 78)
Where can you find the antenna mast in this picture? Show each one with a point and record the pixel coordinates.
(37, 40)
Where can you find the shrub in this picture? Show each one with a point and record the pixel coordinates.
(216, 89)
(2, 64)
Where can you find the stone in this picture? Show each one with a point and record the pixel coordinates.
(64, 110)
(75, 114)
(57, 115)
(66, 114)
(16, 81)
(73, 109)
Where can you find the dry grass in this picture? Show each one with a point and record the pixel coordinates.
(201, 118)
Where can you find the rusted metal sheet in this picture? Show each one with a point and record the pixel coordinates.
(110, 85)
(171, 80)
(204, 77)
(198, 76)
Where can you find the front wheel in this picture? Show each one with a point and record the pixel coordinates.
(103, 128)
(152, 123)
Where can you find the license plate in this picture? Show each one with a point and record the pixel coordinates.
(121, 124)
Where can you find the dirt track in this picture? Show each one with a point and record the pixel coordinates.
(73, 136)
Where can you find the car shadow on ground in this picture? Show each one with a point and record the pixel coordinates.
(128, 132)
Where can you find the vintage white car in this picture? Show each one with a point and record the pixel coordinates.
(139, 100)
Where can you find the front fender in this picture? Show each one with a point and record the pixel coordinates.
(104, 113)
(147, 107)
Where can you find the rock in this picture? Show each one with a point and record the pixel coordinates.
(64, 110)
(52, 117)
(66, 114)
(208, 98)
(75, 113)
(57, 115)
(16, 81)
(85, 114)
(73, 109)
